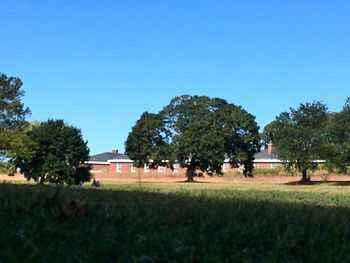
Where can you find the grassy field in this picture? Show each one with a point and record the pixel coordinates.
(333, 187)
(177, 222)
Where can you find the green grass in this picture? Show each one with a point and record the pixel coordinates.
(337, 188)
(175, 223)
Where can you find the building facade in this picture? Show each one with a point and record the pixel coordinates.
(117, 163)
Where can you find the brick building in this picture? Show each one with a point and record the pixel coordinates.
(267, 158)
(114, 162)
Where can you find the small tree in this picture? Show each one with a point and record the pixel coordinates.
(12, 122)
(299, 136)
(58, 156)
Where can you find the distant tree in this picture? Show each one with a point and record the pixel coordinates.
(58, 156)
(12, 122)
(299, 136)
(337, 151)
(147, 141)
(199, 133)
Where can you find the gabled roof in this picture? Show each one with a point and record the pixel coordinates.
(104, 157)
(107, 157)
(265, 155)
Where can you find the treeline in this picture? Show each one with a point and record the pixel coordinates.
(200, 133)
(310, 134)
(197, 132)
(50, 151)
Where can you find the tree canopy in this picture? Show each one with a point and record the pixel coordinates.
(200, 133)
(147, 141)
(298, 136)
(337, 150)
(12, 122)
(58, 156)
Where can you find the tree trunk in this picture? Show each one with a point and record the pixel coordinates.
(42, 178)
(138, 176)
(190, 174)
(305, 177)
(41, 181)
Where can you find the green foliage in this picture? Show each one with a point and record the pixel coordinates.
(299, 136)
(199, 133)
(18, 143)
(337, 151)
(147, 141)
(206, 131)
(39, 224)
(12, 122)
(58, 155)
(12, 110)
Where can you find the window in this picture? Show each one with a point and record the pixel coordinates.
(161, 169)
(118, 167)
(133, 168)
(225, 167)
(146, 168)
(176, 168)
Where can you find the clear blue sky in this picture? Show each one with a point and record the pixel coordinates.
(99, 64)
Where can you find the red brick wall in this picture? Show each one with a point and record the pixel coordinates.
(112, 167)
(100, 167)
(263, 165)
(267, 165)
(126, 169)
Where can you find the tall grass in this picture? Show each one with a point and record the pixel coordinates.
(44, 224)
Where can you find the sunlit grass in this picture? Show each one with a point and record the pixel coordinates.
(317, 187)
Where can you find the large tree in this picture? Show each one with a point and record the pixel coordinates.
(58, 156)
(200, 132)
(12, 122)
(299, 136)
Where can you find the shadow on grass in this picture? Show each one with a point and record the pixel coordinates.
(142, 226)
(176, 182)
(311, 183)
(193, 182)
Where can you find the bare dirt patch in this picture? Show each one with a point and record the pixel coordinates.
(117, 178)
(113, 178)
(16, 177)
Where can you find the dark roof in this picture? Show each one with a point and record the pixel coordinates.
(104, 157)
(265, 155)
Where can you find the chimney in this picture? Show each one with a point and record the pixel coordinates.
(115, 151)
(269, 148)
